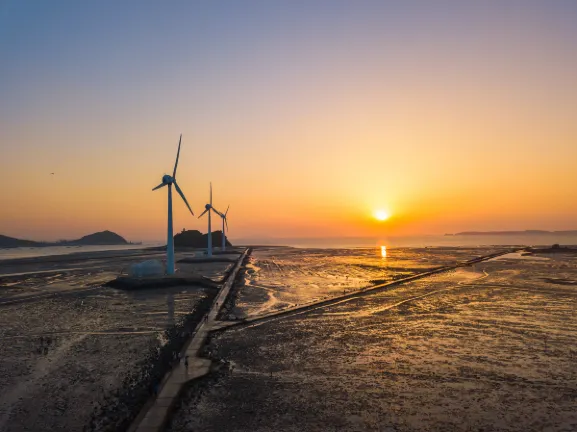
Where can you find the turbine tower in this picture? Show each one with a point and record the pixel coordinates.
(224, 221)
(169, 181)
(207, 209)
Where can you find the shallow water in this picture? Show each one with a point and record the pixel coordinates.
(12, 253)
(282, 277)
(520, 255)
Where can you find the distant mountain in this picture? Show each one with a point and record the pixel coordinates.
(11, 242)
(99, 239)
(196, 239)
(510, 233)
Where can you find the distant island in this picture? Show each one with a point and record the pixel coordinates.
(103, 238)
(509, 233)
(196, 239)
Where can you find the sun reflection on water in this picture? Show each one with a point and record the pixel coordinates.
(384, 251)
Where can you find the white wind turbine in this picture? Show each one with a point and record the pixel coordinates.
(169, 181)
(208, 207)
(224, 221)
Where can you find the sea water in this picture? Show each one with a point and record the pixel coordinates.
(416, 241)
(30, 252)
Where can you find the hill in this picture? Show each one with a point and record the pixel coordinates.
(196, 239)
(216, 239)
(11, 242)
(191, 238)
(96, 239)
(100, 238)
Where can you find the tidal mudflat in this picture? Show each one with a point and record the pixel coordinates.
(280, 277)
(70, 347)
(488, 347)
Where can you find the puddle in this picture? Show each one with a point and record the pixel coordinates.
(519, 255)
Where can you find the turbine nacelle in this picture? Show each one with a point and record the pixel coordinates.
(223, 215)
(208, 208)
(166, 179)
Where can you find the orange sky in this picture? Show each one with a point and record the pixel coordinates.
(451, 119)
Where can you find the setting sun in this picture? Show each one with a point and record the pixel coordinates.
(381, 215)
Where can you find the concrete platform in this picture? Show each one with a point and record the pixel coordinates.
(178, 279)
(228, 251)
(155, 414)
(206, 259)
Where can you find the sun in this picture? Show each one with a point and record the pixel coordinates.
(382, 215)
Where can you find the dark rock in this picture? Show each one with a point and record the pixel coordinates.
(195, 239)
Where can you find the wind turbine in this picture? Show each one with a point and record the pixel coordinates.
(169, 181)
(224, 221)
(207, 208)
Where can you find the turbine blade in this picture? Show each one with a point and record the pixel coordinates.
(182, 196)
(226, 212)
(211, 193)
(177, 155)
(226, 223)
(202, 214)
(216, 211)
(159, 186)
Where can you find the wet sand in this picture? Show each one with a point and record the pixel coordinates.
(98, 337)
(489, 347)
(280, 277)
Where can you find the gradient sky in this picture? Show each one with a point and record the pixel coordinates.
(306, 115)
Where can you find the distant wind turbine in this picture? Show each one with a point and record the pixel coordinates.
(169, 181)
(208, 208)
(224, 221)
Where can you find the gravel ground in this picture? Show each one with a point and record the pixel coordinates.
(490, 347)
